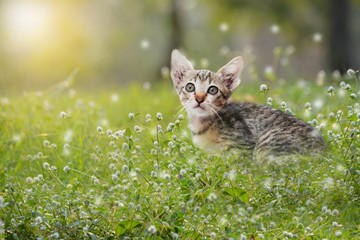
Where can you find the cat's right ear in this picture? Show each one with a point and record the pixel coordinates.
(179, 66)
(230, 73)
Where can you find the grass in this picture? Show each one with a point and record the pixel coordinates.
(95, 166)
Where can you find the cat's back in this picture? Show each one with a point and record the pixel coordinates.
(267, 130)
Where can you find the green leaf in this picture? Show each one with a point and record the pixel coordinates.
(127, 132)
(238, 193)
(352, 118)
(126, 225)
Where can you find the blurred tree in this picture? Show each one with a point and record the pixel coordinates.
(338, 43)
(301, 19)
(176, 33)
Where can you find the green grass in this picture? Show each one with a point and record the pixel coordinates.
(61, 177)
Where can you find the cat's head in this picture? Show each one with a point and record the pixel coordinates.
(203, 92)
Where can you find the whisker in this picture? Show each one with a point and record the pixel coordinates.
(181, 110)
(212, 108)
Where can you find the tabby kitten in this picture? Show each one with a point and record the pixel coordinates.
(217, 122)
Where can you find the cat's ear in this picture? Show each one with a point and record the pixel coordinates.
(230, 73)
(179, 66)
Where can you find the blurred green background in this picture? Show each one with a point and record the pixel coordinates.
(115, 42)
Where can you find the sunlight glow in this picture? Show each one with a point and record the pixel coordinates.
(25, 20)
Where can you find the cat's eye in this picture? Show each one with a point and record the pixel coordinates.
(213, 90)
(190, 87)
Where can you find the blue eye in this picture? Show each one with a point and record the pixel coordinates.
(213, 90)
(190, 87)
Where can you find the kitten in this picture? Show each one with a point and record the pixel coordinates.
(217, 122)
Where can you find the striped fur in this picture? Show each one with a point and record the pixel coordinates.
(218, 122)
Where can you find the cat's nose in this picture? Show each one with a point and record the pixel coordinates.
(199, 99)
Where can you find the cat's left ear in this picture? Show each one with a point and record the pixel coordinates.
(230, 73)
(179, 67)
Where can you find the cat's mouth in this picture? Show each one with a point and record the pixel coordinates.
(199, 106)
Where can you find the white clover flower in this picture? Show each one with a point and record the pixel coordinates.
(353, 96)
(53, 168)
(114, 97)
(342, 84)
(29, 180)
(224, 27)
(144, 44)
(180, 117)
(40, 177)
(83, 214)
(62, 115)
(125, 168)
(148, 117)
(53, 146)
(137, 129)
(347, 87)
(152, 229)
(114, 177)
(283, 104)
(213, 235)
(335, 224)
(96, 181)
(182, 172)
(38, 220)
(66, 168)
(212, 196)
(269, 99)
(67, 146)
(46, 165)
(317, 37)
(338, 233)
(109, 132)
(125, 146)
(174, 235)
(275, 29)
(153, 174)
(198, 175)
(331, 89)
(56, 235)
(268, 70)
(131, 115)
(263, 87)
(99, 129)
(159, 116)
(307, 105)
(171, 144)
(112, 144)
(250, 209)
(167, 176)
(350, 72)
(46, 143)
(112, 166)
(272, 224)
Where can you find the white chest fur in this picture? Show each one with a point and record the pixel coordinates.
(207, 139)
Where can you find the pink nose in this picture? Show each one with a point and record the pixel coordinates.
(199, 99)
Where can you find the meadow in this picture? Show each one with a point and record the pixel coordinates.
(120, 164)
